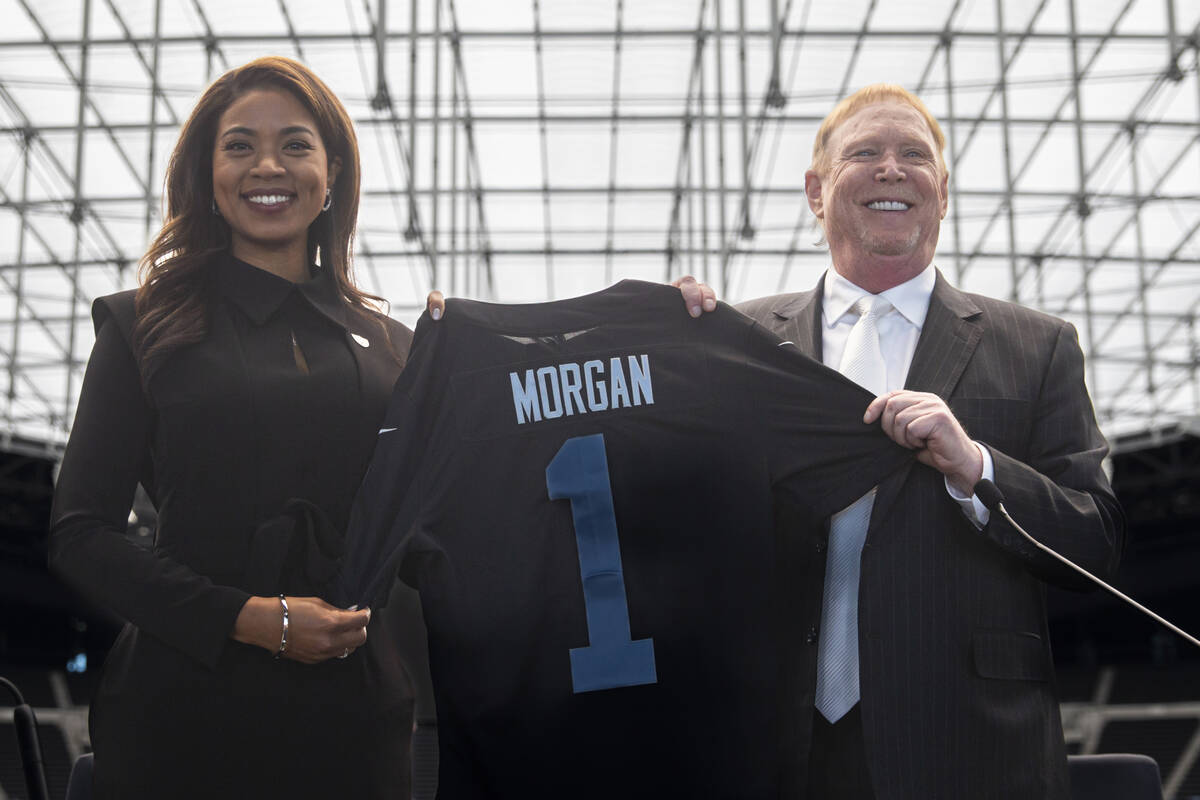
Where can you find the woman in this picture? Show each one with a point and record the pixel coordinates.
(242, 386)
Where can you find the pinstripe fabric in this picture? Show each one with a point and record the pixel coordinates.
(958, 697)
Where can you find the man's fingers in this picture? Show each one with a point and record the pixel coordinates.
(924, 423)
(903, 416)
(898, 428)
(875, 408)
(926, 457)
(915, 427)
(693, 296)
(697, 297)
(887, 406)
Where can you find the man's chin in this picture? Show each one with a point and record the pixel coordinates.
(898, 245)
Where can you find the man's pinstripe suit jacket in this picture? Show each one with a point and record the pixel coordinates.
(958, 695)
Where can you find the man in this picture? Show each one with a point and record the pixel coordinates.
(924, 667)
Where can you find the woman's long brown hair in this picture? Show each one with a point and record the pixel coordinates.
(172, 302)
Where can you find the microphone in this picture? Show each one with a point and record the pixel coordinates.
(990, 495)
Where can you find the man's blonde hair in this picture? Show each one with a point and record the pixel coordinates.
(869, 95)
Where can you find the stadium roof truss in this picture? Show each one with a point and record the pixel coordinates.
(524, 151)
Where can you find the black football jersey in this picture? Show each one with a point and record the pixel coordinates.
(582, 492)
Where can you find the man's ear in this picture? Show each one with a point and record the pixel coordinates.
(812, 190)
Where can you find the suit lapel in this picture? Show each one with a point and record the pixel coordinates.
(948, 339)
(798, 320)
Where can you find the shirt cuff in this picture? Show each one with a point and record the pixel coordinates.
(971, 506)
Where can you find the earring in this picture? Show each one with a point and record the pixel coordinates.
(328, 204)
(216, 211)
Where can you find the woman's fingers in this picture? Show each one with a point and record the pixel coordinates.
(320, 631)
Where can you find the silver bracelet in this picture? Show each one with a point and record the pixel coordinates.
(283, 637)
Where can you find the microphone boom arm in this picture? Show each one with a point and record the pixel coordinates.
(989, 494)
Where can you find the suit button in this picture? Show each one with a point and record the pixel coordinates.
(821, 546)
(811, 636)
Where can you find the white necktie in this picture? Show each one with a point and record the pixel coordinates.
(837, 655)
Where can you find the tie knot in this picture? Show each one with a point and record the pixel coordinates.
(874, 305)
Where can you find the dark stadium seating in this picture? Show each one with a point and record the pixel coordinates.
(54, 760)
(1077, 684)
(34, 684)
(80, 785)
(1114, 776)
(425, 761)
(1163, 740)
(1156, 684)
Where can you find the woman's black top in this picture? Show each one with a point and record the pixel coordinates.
(251, 443)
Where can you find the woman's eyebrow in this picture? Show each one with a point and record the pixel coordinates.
(243, 130)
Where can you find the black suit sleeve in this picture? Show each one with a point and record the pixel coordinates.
(107, 454)
(1059, 493)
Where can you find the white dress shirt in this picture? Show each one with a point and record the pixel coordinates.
(899, 331)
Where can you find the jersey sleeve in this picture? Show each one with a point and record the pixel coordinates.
(108, 453)
(810, 421)
(387, 518)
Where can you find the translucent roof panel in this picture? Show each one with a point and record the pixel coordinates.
(530, 151)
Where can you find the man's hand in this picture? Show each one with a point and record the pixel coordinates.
(696, 295)
(923, 422)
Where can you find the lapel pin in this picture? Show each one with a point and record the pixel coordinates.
(362, 340)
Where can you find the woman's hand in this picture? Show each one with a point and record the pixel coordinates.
(435, 304)
(316, 632)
